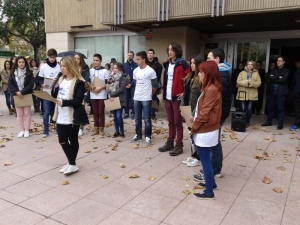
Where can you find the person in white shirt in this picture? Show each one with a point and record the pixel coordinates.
(47, 73)
(69, 97)
(146, 84)
(98, 95)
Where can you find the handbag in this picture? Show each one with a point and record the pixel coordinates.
(80, 117)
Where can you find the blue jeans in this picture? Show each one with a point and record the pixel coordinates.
(129, 94)
(204, 155)
(145, 108)
(7, 98)
(217, 155)
(47, 106)
(154, 97)
(246, 106)
(276, 100)
(118, 120)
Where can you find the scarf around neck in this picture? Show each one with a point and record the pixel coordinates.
(52, 65)
(20, 76)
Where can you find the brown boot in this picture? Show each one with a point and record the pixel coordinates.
(177, 151)
(169, 145)
(101, 131)
(11, 112)
(95, 131)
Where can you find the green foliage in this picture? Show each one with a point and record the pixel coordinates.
(23, 19)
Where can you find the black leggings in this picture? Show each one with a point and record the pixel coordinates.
(68, 139)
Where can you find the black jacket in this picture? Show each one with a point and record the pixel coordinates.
(85, 73)
(28, 84)
(296, 83)
(157, 67)
(279, 77)
(226, 94)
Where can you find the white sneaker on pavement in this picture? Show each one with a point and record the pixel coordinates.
(80, 132)
(71, 169)
(64, 168)
(148, 141)
(26, 134)
(21, 134)
(45, 135)
(195, 162)
(189, 159)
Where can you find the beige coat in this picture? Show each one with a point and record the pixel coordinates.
(251, 90)
(4, 78)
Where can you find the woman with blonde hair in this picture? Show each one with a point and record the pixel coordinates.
(69, 112)
(248, 81)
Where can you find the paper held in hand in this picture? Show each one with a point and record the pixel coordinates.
(154, 104)
(43, 95)
(98, 82)
(187, 113)
(48, 82)
(23, 102)
(109, 105)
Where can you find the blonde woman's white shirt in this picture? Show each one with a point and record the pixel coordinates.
(102, 74)
(63, 93)
(48, 72)
(208, 139)
(143, 87)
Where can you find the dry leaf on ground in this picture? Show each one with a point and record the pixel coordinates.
(87, 151)
(118, 140)
(266, 180)
(136, 146)
(104, 177)
(2, 146)
(185, 178)
(269, 139)
(106, 152)
(258, 148)
(65, 182)
(122, 165)
(277, 190)
(259, 157)
(297, 149)
(134, 176)
(108, 135)
(148, 157)
(284, 150)
(198, 187)
(281, 168)
(8, 163)
(243, 165)
(151, 178)
(266, 154)
(95, 147)
(187, 192)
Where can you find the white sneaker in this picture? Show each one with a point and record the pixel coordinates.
(45, 135)
(135, 139)
(26, 134)
(148, 141)
(189, 159)
(80, 132)
(219, 175)
(71, 169)
(195, 162)
(64, 168)
(21, 134)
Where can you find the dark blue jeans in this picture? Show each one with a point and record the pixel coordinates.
(276, 100)
(7, 98)
(143, 107)
(205, 158)
(118, 120)
(217, 155)
(129, 94)
(246, 107)
(154, 97)
(47, 106)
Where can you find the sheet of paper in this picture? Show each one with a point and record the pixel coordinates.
(109, 105)
(48, 82)
(187, 113)
(23, 102)
(154, 104)
(98, 82)
(43, 95)
(161, 102)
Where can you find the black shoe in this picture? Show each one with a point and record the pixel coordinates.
(168, 146)
(199, 178)
(266, 124)
(116, 134)
(177, 151)
(204, 196)
(215, 187)
(122, 135)
(279, 127)
(153, 117)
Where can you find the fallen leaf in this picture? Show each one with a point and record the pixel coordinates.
(122, 165)
(287, 161)
(291, 132)
(266, 154)
(281, 168)
(108, 135)
(198, 187)
(87, 151)
(277, 190)
(258, 148)
(8, 163)
(292, 138)
(65, 182)
(95, 147)
(185, 178)
(118, 140)
(259, 157)
(269, 139)
(266, 180)
(243, 165)
(284, 150)
(297, 149)
(104, 177)
(148, 157)
(33, 156)
(185, 138)
(107, 152)
(134, 176)
(151, 178)
(187, 192)
(136, 146)
(2, 146)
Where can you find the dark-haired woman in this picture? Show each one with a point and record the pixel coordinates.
(85, 73)
(115, 87)
(192, 91)
(98, 95)
(5, 73)
(205, 128)
(34, 66)
(21, 83)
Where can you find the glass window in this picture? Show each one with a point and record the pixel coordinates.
(136, 43)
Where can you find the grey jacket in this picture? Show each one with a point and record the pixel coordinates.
(120, 92)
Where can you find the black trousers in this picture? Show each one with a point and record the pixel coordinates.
(296, 99)
(68, 139)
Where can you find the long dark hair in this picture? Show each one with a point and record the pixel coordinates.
(9, 64)
(120, 66)
(82, 62)
(11, 61)
(194, 74)
(212, 75)
(33, 60)
(28, 71)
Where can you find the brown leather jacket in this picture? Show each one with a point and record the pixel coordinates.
(209, 111)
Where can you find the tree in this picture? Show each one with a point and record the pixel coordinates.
(23, 19)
